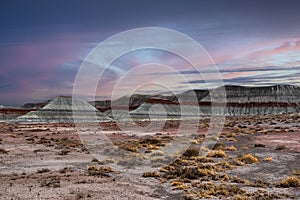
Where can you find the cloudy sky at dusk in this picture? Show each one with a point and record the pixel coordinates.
(43, 43)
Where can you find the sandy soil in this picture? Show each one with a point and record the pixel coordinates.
(49, 161)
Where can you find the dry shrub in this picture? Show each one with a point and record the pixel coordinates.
(204, 160)
(104, 170)
(247, 159)
(188, 172)
(292, 181)
(205, 149)
(151, 174)
(216, 154)
(211, 189)
(130, 145)
(230, 148)
(240, 197)
(267, 159)
(177, 185)
(225, 165)
(67, 142)
(231, 139)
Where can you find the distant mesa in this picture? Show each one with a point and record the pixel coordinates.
(9, 113)
(240, 100)
(61, 110)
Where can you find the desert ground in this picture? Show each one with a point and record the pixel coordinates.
(256, 157)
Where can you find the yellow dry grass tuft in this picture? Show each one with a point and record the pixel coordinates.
(231, 139)
(151, 174)
(178, 185)
(104, 170)
(230, 148)
(267, 159)
(211, 189)
(216, 154)
(247, 159)
(292, 181)
(205, 149)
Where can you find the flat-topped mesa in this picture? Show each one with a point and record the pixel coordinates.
(241, 100)
(229, 100)
(276, 93)
(64, 109)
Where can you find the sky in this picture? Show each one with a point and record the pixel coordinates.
(43, 43)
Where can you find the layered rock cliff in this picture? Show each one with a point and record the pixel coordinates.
(231, 101)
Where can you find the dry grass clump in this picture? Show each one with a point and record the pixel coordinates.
(225, 165)
(205, 149)
(191, 152)
(231, 139)
(230, 148)
(103, 170)
(260, 183)
(204, 160)
(129, 145)
(236, 179)
(267, 159)
(223, 177)
(152, 143)
(178, 185)
(246, 159)
(190, 172)
(67, 142)
(216, 154)
(206, 190)
(292, 181)
(240, 197)
(151, 174)
(185, 162)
